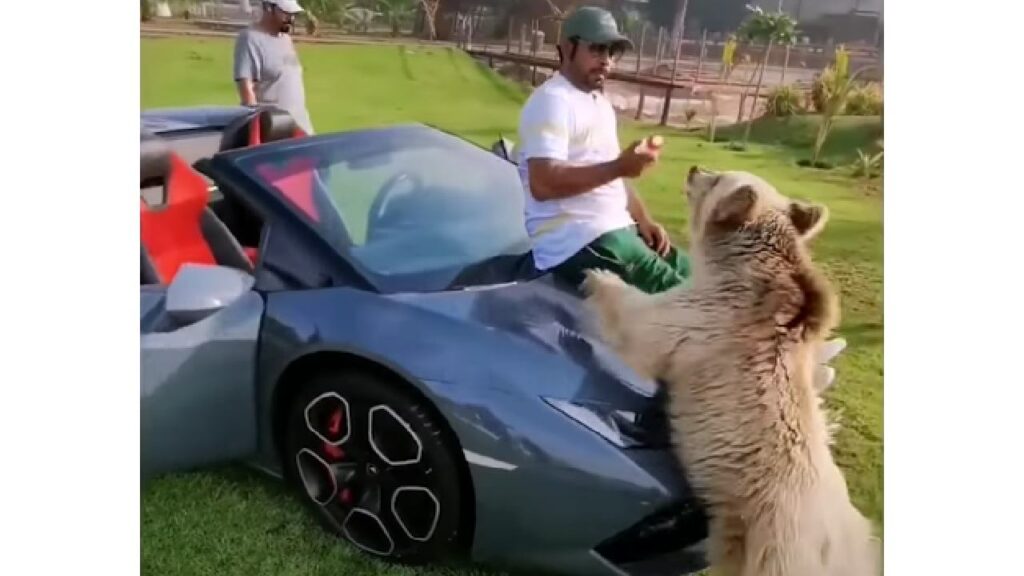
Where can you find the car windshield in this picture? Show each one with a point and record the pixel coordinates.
(406, 202)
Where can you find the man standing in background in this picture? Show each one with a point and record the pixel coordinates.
(266, 67)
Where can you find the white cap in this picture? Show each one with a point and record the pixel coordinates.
(289, 6)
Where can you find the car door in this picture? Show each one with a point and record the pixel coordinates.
(198, 369)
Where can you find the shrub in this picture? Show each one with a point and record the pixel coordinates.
(783, 101)
(824, 86)
(729, 56)
(865, 100)
(842, 61)
(867, 165)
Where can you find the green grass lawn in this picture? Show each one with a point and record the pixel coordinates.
(237, 522)
(797, 134)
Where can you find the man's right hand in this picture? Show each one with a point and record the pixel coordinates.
(246, 92)
(632, 162)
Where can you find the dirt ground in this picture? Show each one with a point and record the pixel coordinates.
(625, 98)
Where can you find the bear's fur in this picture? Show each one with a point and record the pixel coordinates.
(736, 352)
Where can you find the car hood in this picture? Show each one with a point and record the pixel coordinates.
(542, 314)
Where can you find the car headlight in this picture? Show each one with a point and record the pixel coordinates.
(620, 427)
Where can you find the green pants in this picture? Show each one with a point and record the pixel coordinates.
(625, 253)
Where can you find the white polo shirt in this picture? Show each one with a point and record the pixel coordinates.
(561, 122)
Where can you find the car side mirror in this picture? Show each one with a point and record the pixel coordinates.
(200, 290)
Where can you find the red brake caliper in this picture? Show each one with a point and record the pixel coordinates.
(346, 496)
(335, 453)
(334, 423)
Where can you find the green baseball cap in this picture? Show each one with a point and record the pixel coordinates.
(594, 25)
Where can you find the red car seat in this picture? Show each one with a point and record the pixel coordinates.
(293, 178)
(182, 229)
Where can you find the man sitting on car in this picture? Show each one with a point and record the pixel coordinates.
(580, 211)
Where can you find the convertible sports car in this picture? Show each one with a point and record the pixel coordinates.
(357, 313)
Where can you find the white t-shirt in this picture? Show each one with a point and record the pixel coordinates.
(561, 122)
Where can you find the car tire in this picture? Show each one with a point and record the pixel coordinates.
(374, 466)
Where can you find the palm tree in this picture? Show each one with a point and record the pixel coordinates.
(769, 28)
(360, 18)
(835, 101)
(326, 10)
(396, 11)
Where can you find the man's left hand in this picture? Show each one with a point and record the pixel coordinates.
(655, 236)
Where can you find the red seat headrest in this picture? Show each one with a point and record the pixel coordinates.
(266, 125)
(154, 160)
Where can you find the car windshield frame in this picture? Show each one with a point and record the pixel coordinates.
(331, 150)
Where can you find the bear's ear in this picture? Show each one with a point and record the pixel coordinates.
(808, 219)
(734, 209)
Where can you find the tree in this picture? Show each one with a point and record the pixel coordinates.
(834, 103)
(345, 13)
(558, 14)
(359, 18)
(679, 24)
(326, 10)
(430, 14)
(769, 28)
(396, 11)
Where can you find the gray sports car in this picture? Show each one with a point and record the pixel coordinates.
(358, 314)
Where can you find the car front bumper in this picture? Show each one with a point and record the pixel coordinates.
(576, 522)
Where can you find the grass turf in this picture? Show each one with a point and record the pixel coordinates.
(797, 134)
(233, 521)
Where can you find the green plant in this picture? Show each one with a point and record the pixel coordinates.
(728, 56)
(767, 26)
(842, 61)
(357, 18)
(865, 100)
(770, 28)
(145, 11)
(867, 165)
(823, 87)
(833, 106)
(324, 10)
(396, 12)
(783, 101)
